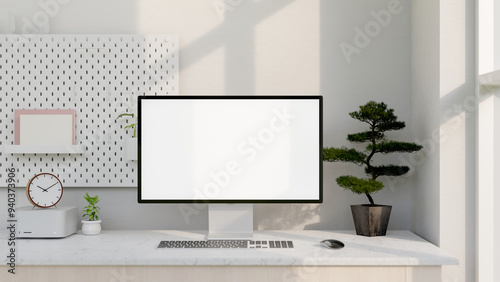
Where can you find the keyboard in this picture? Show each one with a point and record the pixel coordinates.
(227, 244)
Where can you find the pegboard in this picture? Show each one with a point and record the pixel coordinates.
(100, 76)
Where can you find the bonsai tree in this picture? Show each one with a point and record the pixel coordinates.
(91, 211)
(379, 119)
(132, 125)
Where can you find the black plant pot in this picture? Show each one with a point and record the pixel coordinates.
(371, 220)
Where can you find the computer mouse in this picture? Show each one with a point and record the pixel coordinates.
(332, 244)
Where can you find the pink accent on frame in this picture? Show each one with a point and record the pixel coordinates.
(17, 118)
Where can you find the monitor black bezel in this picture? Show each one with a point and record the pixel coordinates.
(227, 201)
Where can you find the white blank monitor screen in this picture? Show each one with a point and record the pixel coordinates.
(230, 149)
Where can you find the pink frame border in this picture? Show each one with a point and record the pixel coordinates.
(17, 119)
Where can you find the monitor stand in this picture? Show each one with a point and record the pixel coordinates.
(230, 222)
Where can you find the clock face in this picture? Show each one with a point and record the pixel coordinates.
(44, 190)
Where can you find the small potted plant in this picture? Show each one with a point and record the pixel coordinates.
(92, 226)
(131, 143)
(371, 219)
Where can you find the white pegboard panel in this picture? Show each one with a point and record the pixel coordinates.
(100, 76)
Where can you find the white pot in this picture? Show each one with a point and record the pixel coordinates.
(131, 149)
(91, 227)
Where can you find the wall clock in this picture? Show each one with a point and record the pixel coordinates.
(44, 190)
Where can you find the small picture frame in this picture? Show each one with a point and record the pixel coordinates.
(44, 127)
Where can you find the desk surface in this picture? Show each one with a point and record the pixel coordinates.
(113, 247)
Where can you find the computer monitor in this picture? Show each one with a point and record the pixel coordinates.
(230, 152)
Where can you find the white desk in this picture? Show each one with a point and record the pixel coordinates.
(132, 256)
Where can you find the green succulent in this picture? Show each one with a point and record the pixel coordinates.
(92, 211)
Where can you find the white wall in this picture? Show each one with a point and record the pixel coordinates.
(443, 93)
(264, 47)
(425, 122)
(488, 128)
(458, 128)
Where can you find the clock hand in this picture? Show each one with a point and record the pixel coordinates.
(44, 190)
(52, 185)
